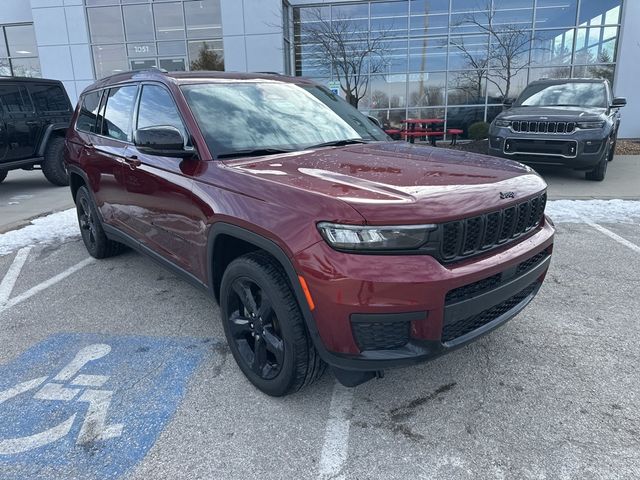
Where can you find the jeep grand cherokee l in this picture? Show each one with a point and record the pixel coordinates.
(572, 122)
(323, 242)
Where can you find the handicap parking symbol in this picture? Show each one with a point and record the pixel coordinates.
(90, 406)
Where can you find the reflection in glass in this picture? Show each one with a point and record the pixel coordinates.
(203, 19)
(468, 51)
(5, 68)
(595, 71)
(553, 14)
(109, 59)
(599, 12)
(117, 114)
(388, 91)
(172, 48)
(497, 88)
(173, 64)
(169, 20)
(428, 54)
(157, 108)
(138, 23)
(21, 40)
(466, 87)
(549, 72)
(552, 47)
(426, 89)
(206, 55)
(26, 67)
(105, 25)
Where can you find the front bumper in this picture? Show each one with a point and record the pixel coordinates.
(581, 150)
(374, 312)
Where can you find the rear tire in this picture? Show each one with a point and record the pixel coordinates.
(93, 236)
(265, 328)
(3, 175)
(53, 165)
(598, 173)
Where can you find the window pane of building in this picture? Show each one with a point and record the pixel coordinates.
(26, 67)
(5, 67)
(553, 14)
(203, 19)
(138, 23)
(169, 20)
(206, 55)
(595, 45)
(552, 47)
(424, 7)
(468, 51)
(595, 71)
(21, 41)
(172, 48)
(466, 87)
(141, 49)
(136, 65)
(105, 25)
(173, 64)
(428, 54)
(501, 85)
(549, 72)
(427, 89)
(109, 59)
(388, 91)
(599, 12)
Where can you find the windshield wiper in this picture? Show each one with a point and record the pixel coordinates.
(562, 105)
(253, 153)
(337, 143)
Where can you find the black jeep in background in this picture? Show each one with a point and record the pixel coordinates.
(569, 122)
(34, 116)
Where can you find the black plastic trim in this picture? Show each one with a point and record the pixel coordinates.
(47, 135)
(388, 317)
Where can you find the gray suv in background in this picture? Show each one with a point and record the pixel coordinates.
(569, 122)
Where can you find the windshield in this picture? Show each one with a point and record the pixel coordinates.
(266, 116)
(565, 94)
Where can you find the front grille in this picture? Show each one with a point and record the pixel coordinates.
(473, 289)
(381, 335)
(466, 325)
(464, 238)
(524, 126)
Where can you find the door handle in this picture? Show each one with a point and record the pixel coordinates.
(132, 161)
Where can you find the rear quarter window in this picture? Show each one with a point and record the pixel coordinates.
(49, 98)
(15, 99)
(88, 113)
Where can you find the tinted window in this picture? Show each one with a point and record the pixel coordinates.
(88, 113)
(15, 98)
(157, 108)
(564, 95)
(117, 114)
(49, 98)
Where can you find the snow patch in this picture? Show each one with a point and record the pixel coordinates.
(54, 228)
(599, 211)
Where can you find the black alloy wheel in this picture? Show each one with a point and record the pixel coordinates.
(87, 223)
(254, 328)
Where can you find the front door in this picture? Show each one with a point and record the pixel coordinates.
(23, 127)
(159, 189)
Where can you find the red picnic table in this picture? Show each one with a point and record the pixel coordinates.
(422, 128)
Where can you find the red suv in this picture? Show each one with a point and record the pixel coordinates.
(322, 241)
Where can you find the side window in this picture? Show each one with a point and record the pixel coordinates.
(118, 111)
(49, 98)
(157, 108)
(88, 113)
(15, 99)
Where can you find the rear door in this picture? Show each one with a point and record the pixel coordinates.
(51, 104)
(161, 209)
(104, 149)
(23, 128)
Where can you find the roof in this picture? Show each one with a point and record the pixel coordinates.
(29, 80)
(559, 81)
(192, 77)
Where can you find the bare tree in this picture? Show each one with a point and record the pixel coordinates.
(340, 46)
(507, 53)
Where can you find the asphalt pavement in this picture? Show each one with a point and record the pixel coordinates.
(118, 369)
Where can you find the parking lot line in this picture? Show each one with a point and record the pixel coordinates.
(610, 234)
(44, 285)
(336, 437)
(9, 280)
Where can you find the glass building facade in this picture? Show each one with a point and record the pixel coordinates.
(138, 34)
(458, 59)
(18, 51)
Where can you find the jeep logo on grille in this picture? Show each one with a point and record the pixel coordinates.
(504, 195)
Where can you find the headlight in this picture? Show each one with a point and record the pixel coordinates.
(502, 123)
(355, 237)
(590, 125)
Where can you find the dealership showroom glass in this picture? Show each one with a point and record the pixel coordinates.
(429, 45)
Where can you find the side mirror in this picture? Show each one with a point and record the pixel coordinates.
(164, 141)
(619, 102)
(508, 103)
(375, 121)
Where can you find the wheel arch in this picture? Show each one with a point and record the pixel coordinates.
(55, 130)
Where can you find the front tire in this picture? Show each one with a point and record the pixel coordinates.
(3, 175)
(93, 236)
(598, 173)
(265, 328)
(53, 165)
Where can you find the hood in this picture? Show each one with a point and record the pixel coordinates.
(400, 183)
(552, 113)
